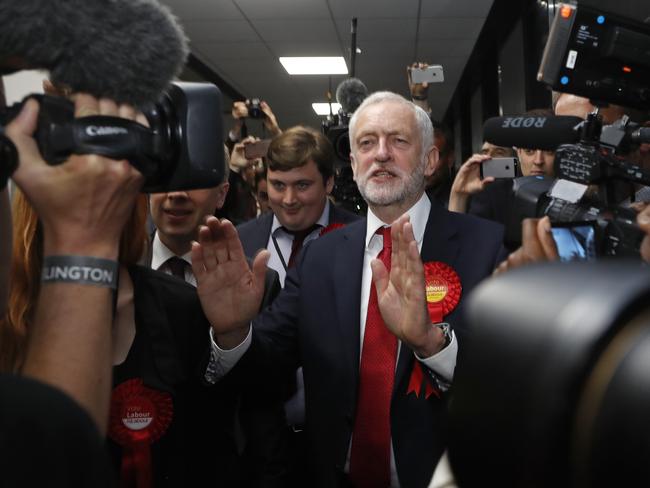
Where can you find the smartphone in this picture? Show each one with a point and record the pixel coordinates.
(499, 168)
(430, 74)
(575, 241)
(257, 149)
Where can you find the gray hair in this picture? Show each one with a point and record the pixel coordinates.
(423, 122)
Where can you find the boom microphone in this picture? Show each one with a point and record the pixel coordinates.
(126, 50)
(350, 93)
(533, 132)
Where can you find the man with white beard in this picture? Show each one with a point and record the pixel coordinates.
(371, 311)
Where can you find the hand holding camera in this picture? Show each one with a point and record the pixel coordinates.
(84, 193)
(469, 181)
(420, 75)
(241, 158)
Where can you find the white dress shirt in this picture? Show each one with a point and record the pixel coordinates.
(284, 240)
(161, 253)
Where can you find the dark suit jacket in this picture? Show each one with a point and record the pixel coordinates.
(315, 322)
(254, 234)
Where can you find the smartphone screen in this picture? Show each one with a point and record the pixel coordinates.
(575, 241)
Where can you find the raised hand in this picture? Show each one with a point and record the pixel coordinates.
(229, 290)
(401, 293)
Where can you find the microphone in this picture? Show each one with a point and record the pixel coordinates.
(126, 50)
(350, 94)
(533, 132)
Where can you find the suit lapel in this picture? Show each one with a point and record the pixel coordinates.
(348, 266)
(439, 244)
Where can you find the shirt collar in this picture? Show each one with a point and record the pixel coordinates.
(322, 221)
(419, 214)
(161, 253)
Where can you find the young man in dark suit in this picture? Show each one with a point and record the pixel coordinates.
(377, 362)
(300, 176)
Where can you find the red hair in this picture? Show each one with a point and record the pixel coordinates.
(26, 266)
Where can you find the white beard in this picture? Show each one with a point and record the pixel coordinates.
(399, 188)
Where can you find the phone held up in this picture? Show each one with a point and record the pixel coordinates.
(430, 74)
(257, 149)
(499, 168)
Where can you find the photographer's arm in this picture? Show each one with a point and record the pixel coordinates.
(82, 206)
(468, 182)
(239, 113)
(419, 91)
(270, 122)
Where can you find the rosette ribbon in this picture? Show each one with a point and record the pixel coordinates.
(139, 416)
(443, 290)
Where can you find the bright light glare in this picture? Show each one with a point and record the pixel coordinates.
(324, 108)
(315, 66)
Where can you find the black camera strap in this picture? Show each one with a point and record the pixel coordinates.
(111, 137)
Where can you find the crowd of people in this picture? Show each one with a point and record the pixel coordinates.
(261, 335)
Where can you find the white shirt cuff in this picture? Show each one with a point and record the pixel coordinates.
(443, 363)
(223, 360)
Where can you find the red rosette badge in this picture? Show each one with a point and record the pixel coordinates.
(443, 290)
(139, 416)
(330, 228)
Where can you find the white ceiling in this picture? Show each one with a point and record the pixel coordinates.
(241, 41)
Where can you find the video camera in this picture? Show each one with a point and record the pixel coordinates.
(181, 150)
(553, 386)
(588, 54)
(345, 191)
(335, 128)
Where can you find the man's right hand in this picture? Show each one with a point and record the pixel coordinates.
(230, 292)
(468, 182)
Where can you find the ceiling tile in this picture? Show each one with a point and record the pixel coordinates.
(390, 29)
(204, 9)
(284, 9)
(224, 51)
(455, 28)
(295, 30)
(368, 9)
(455, 8)
(220, 31)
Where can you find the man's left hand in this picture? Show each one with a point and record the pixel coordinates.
(401, 293)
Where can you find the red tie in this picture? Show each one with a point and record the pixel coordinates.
(370, 457)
